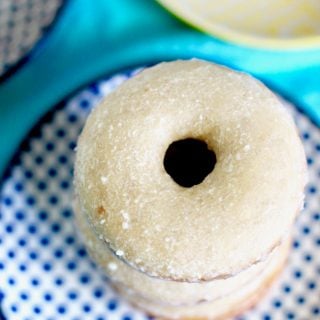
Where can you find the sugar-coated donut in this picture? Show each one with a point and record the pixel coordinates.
(170, 294)
(188, 178)
(220, 309)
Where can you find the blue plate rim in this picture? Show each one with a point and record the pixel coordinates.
(48, 116)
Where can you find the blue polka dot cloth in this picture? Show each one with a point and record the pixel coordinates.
(22, 24)
(45, 271)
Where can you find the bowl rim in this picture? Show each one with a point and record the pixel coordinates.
(241, 38)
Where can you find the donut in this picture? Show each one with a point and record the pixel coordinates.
(224, 308)
(182, 298)
(188, 178)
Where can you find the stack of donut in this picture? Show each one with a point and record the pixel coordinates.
(188, 179)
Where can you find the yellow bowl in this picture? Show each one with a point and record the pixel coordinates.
(271, 24)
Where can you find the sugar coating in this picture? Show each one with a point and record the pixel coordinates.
(212, 230)
(112, 266)
(119, 253)
(104, 180)
(126, 220)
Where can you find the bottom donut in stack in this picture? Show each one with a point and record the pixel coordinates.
(216, 299)
(188, 178)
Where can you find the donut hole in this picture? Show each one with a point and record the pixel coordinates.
(189, 161)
